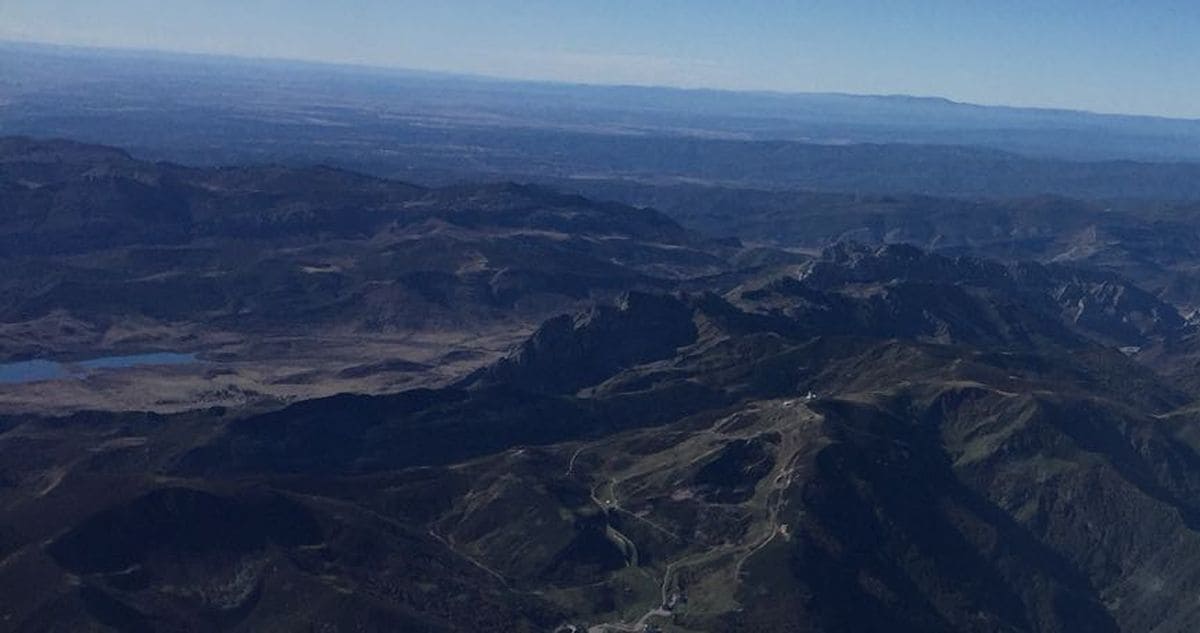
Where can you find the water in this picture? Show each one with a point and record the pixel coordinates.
(30, 371)
(41, 369)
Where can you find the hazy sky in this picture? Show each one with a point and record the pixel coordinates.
(1140, 56)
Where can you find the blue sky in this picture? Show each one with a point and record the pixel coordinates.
(1130, 56)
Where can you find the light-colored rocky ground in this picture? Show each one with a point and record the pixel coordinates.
(234, 371)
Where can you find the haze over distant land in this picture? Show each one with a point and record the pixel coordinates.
(416, 125)
(1102, 56)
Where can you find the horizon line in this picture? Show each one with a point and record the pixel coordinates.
(468, 75)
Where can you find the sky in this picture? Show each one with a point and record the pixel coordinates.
(1134, 56)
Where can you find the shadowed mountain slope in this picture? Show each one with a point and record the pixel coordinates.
(805, 453)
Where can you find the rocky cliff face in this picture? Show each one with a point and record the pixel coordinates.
(570, 352)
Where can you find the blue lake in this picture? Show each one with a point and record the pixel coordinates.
(40, 369)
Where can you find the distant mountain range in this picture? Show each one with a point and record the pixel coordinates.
(39, 71)
(440, 129)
